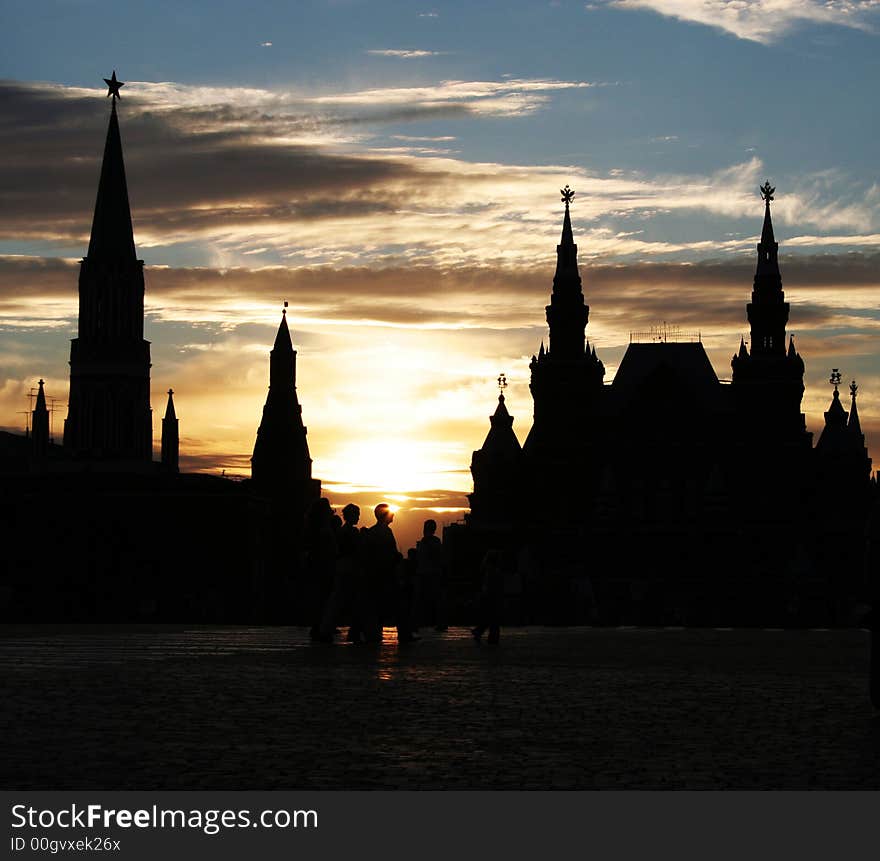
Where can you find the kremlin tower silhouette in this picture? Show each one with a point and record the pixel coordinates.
(109, 417)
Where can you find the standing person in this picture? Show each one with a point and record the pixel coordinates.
(491, 597)
(347, 582)
(382, 559)
(430, 591)
(320, 545)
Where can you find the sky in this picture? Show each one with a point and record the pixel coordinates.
(392, 171)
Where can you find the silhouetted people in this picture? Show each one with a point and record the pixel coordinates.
(491, 597)
(347, 593)
(319, 540)
(383, 594)
(430, 587)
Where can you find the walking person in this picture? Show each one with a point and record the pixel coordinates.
(491, 597)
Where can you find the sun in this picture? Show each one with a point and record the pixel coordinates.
(387, 464)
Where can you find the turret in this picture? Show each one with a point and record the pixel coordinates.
(496, 469)
(566, 375)
(768, 375)
(281, 465)
(170, 437)
(40, 425)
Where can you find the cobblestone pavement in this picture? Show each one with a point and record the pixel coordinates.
(262, 708)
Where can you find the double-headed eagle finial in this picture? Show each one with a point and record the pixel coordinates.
(567, 195)
(502, 383)
(767, 191)
(835, 378)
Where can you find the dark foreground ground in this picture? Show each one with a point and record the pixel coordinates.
(262, 708)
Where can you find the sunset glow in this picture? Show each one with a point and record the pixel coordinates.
(404, 203)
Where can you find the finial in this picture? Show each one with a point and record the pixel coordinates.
(835, 378)
(114, 86)
(170, 392)
(767, 192)
(502, 383)
(284, 310)
(853, 388)
(567, 195)
(42, 382)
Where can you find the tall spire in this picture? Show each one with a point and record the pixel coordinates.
(854, 425)
(767, 275)
(281, 463)
(112, 235)
(567, 313)
(567, 274)
(40, 424)
(170, 436)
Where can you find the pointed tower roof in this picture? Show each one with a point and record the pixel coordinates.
(767, 237)
(112, 235)
(501, 441)
(41, 399)
(169, 407)
(835, 415)
(283, 341)
(767, 274)
(854, 426)
(567, 275)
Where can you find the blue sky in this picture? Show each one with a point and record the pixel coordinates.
(392, 169)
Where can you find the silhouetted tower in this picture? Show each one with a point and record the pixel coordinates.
(840, 451)
(109, 416)
(170, 437)
(496, 470)
(768, 376)
(40, 425)
(567, 377)
(281, 465)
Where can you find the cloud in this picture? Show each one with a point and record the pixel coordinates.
(237, 172)
(265, 44)
(763, 21)
(405, 54)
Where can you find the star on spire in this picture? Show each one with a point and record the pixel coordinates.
(114, 86)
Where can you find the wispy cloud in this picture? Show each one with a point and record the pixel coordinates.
(763, 21)
(404, 53)
(301, 181)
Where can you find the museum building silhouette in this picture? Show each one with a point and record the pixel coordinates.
(669, 496)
